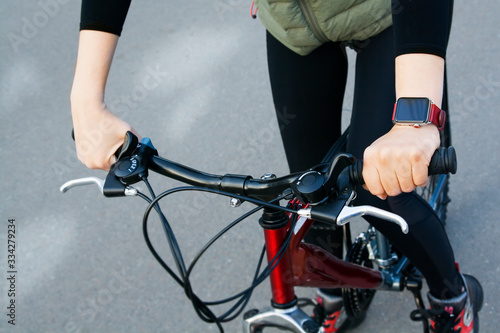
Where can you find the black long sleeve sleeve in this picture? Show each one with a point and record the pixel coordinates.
(104, 15)
(422, 26)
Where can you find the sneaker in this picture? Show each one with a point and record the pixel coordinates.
(459, 314)
(329, 312)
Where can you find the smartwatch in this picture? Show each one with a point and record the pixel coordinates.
(418, 111)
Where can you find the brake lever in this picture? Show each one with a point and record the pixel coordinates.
(348, 213)
(339, 211)
(82, 182)
(101, 184)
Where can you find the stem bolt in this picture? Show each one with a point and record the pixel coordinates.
(268, 176)
(235, 202)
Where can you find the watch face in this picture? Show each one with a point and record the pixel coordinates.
(412, 110)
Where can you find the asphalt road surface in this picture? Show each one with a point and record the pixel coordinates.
(192, 76)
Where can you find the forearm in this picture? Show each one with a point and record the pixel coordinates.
(420, 75)
(95, 55)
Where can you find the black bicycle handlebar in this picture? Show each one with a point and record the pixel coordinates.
(443, 161)
(136, 159)
(237, 184)
(129, 169)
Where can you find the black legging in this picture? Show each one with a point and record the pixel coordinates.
(308, 94)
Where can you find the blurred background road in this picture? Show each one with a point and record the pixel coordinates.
(81, 260)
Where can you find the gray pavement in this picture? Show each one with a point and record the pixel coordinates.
(192, 76)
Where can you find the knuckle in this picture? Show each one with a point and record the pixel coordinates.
(421, 181)
(420, 175)
(392, 188)
(393, 192)
(373, 186)
(408, 188)
(368, 155)
(416, 156)
(385, 156)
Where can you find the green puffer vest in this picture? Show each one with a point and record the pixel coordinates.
(303, 25)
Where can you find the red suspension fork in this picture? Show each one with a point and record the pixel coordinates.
(276, 224)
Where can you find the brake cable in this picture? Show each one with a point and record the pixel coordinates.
(200, 306)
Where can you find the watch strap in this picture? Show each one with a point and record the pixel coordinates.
(437, 116)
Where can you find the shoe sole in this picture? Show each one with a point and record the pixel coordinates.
(476, 290)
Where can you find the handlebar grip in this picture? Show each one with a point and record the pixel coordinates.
(356, 173)
(129, 144)
(444, 160)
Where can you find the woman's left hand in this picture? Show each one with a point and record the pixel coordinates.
(398, 161)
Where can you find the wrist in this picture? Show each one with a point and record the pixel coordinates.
(425, 135)
(82, 98)
(418, 112)
(422, 128)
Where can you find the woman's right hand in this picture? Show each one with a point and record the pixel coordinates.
(98, 132)
(98, 135)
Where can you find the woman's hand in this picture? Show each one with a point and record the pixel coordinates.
(398, 161)
(98, 135)
(98, 132)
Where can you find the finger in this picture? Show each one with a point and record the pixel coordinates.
(390, 182)
(404, 174)
(372, 182)
(420, 175)
(420, 169)
(112, 161)
(112, 158)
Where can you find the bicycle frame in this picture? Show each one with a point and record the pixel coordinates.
(303, 265)
(307, 265)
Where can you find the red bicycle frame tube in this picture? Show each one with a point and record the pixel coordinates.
(308, 265)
